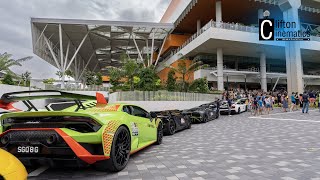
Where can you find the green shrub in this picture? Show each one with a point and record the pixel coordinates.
(199, 85)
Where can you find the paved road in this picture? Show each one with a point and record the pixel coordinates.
(278, 146)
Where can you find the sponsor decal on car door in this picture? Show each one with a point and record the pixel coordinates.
(147, 131)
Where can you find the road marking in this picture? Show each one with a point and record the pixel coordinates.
(303, 120)
(38, 171)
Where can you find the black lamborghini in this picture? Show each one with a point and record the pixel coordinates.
(173, 121)
(204, 112)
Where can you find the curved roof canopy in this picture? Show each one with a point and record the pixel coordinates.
(94, 44)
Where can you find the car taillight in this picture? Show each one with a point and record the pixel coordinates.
(233, 106)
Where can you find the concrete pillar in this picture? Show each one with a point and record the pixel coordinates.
(220, 69)
(263, 72)
(198, 25)
(295, 83)
(218, 11)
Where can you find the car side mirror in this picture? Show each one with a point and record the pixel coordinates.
(153, 115)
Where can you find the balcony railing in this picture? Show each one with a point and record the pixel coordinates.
(222, 25)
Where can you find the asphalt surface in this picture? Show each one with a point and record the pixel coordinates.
(282, 146)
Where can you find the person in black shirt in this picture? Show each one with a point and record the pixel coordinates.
(229, 106)
(305, 101)
(279, 98)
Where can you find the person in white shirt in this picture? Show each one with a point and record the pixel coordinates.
(268, 104)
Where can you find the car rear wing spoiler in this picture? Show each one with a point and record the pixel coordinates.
(25, 96)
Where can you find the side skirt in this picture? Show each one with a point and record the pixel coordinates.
(140, 148)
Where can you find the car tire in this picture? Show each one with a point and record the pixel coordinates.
(159, 134)
(205, 118)
(239, 111)
(122, 144)
(171, 127)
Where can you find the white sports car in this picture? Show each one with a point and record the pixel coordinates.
(237, 106)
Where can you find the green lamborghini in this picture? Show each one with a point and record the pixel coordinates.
(82, 130)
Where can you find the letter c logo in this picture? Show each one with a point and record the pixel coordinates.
(262, 30)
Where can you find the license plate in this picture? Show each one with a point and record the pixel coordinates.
(28, 149)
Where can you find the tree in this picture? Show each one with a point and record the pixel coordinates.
(130, 69)
(185, 71)
(6, 62)
(171, 81)
(199, 85)
(90, 78)
(26, 77)
(148, 79)
(59, 74)
(69, 74)
(115, 75)
(7, 79)
(99, 80)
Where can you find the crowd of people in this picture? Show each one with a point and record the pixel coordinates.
(259, 102)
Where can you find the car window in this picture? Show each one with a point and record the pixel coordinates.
(137, 111)
(127, 109)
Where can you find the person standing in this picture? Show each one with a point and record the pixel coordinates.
(296, 97)
(300, 100)
(229, 106)
(279, 98)
(305, 101)
(268, 104)
(260, 105)
(285, 103)
(293, 101)
(255, 105)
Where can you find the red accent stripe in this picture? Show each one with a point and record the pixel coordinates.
(80, 151)
(132, 152)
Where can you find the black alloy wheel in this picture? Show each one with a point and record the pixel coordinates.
(172, 127)
(120, 152)
(205, 118)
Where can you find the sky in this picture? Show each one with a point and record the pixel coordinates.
(15, 28)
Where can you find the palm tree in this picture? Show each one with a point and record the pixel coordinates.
(69, 74)
(6, 62)
(26, 77)
(185, 71)
(59, 74)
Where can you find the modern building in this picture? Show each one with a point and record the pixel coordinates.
(223, 34)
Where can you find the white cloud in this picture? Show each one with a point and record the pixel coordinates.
(15, 30)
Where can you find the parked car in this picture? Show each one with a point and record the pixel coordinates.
(237, 106)
(173, 121)
(203, 113)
